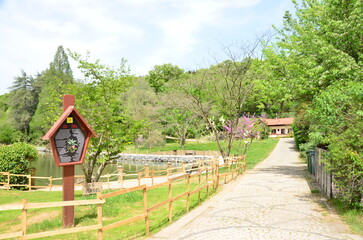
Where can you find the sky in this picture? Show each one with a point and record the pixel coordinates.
(186, 33)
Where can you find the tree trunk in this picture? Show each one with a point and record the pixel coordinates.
(182, 141)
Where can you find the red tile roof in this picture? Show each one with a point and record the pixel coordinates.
(278, 121)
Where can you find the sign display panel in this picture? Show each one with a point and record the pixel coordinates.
(69, 141)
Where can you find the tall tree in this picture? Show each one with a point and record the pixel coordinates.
(176, 118)
(222, 90)
(323, 53)
(98, 99)
(322, 44)
(23, 101)
(53, 83)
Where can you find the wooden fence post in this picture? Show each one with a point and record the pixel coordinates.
(170, 203)
(199, 176)
(29, 182)
(168, 171)
(217, 176)
(152, 177)
(147, 227)
(108, 181)
(147, 170)
(120, 177)
(206, 180)
(232, 167)
(8, 187)
(50, 183)
(99, 217)
(183, 167)
(188, 190)
(33, 172)
(23, 217)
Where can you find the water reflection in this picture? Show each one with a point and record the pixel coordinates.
(46, 167)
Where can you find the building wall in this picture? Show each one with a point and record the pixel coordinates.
(280, 130)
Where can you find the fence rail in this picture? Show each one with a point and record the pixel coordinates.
(6, 177)
(208, 177)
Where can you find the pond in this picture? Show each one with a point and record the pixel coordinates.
(46, 167)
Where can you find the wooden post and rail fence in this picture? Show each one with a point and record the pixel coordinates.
(6, 178)
(207, 177)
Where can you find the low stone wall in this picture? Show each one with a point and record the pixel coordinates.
(163, 158)
(182, 152)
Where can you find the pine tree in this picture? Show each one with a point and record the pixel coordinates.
(23, 101)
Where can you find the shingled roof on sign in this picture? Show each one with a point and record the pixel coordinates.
(70, 110)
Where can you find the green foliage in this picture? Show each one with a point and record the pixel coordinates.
(300, 128)
(23, 100)
(9, 134)
(354, 217)
(337, 122)
(141, 101)
(52, 83)
(161, 74)
(17, 159)
(320, 54)
(154, 139)
(222, 90)
(176, 118)
(4, 104)
(321, 45)
(273, 93)
(99, 101)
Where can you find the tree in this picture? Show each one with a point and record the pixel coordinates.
(322, 45)
(98, 100)
(323, 51)
(8, 132)
(161, 74)
(23, 100)
(272, 93)
(336, 122)
(176, 117)
(17, 159)
(52, 83)
(140, 100)
(222, 90)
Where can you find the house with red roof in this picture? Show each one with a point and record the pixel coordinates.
(279, 126)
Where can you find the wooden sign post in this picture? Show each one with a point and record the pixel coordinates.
(69, 138)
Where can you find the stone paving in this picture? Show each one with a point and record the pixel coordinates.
(272, 201)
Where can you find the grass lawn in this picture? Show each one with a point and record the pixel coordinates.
(353, 217)
(116, 208)
(204, 146)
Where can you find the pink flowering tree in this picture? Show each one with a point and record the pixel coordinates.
(246, 128)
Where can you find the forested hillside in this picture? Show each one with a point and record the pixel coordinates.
(310, 69)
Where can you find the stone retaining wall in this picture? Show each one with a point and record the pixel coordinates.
(163, 158)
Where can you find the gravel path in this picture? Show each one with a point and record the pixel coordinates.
(272, 201)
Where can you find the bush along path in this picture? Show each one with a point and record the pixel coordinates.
(272, 201)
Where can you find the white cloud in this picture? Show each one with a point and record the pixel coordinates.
(179, 28)
(146, 32)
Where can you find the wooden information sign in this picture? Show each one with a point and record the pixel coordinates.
(69, 138)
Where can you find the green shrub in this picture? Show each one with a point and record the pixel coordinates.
(17, 158)
(155, 139)
(9, 135)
